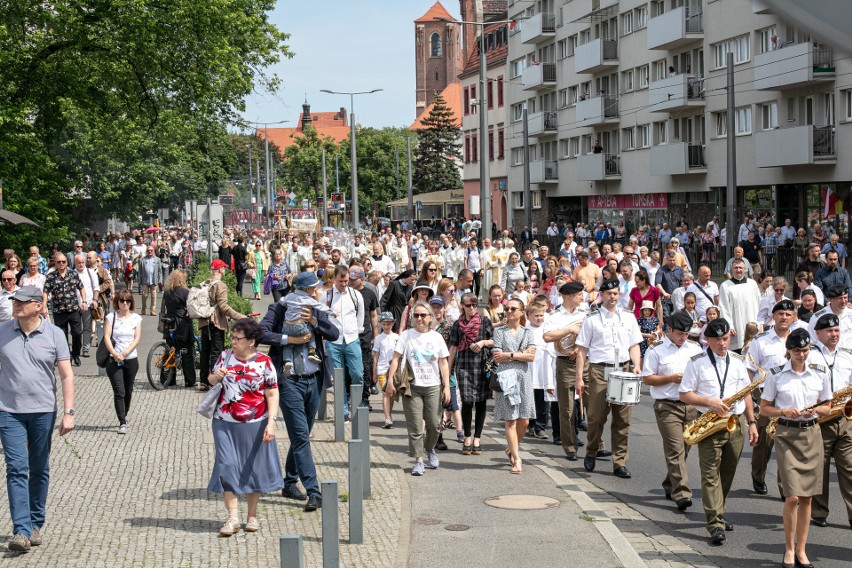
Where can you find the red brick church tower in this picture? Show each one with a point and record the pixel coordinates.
(438, 54)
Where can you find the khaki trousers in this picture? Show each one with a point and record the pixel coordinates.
(837, 441)
(597, 413)
(149, 291)
(671, 418)
(566, 376)
(718, 456)
(761, 453)
(422, 418)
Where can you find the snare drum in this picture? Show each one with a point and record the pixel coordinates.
(623, 388)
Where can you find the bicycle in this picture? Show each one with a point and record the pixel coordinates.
(164, 361)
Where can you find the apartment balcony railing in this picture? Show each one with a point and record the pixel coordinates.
(795, 146)
(598, 167)
(539, 76)
(538, 28)
(676, 93)
(677, 158)
(543, 123)
(675, 28)
(544, 171)
(793, 66)
(596, 55)
(597, 110)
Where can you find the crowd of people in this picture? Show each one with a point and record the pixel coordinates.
(444, 322)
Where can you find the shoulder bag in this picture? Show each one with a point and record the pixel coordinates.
(403, 376)
(493, 381)
(102, 355)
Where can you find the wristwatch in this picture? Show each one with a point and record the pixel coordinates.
(750, 422)
(70, 412)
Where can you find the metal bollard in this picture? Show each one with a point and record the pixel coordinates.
(363, 421)
(322, 409)
(330, 528)
(356, 488)
(291, 550)
(355, 393)
(339, 398)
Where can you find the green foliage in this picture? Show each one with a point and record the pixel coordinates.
(303, 163)
(202, 272)
(117, 106)
(438, 151)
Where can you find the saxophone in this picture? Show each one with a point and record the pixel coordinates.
(839, 405)
(709, 423)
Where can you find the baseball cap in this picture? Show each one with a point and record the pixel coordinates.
(218, 264)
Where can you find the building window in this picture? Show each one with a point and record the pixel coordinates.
(466, 96)
(573, 94)
(516, 67)
(491, 145)
(501, 144)
(764, 39)
(564, 149)
(562, 48)
(466, 149)
(627, 81)
(744, 120)
(739, 46)
(574, 144)
(437, 76)
(627, 23)
(658, 8)
(517, 112)
(643, 135)
(562, 99)
(535, 199)
(517, 157)
(661, 132)
(628, 138)
(721, 120)
(490, 95)
(847, 105)
(641, 19)
(769, 116)
(474, 148)
(658, 70)
(435, 42)
(643, 77)
(500, 91)
(518, 199)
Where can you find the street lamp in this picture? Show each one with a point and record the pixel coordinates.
(484, 175)
(268, 179)
(355, 216)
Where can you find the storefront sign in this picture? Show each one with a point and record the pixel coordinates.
(638, 201)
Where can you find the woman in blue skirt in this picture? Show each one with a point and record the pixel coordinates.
(247, 461)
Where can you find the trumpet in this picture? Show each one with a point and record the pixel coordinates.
(839, 406)
(709, 423)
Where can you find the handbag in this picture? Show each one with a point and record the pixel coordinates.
(208, 404)
(491, 367)
(403, 376)
(102, 355)
(251, 273)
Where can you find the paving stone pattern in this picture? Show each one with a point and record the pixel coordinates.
(142, 500)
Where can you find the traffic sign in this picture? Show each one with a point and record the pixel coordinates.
(419, 204)
(291, 195)
(291, 203)
(226, 200)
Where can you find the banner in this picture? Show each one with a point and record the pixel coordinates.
(637, 201)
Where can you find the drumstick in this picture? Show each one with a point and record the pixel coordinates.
(582, 410)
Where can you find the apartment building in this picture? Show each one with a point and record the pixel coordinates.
(638, 92)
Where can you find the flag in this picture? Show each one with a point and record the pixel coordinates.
(831, 202)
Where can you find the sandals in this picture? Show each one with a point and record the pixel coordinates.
(466, 450)
(476, 450)
(509, 455)
(516, 468)
(204, 388)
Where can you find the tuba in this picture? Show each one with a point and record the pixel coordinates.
(565, 346)
(839, 406)
(709, 423)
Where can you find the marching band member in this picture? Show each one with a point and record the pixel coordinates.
(836, 433)
(837, 297)
(767, 351)
(792, 393)
(709, 378)
(609, 339)
(566, 319)
(663, 369)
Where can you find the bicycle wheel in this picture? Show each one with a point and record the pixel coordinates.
(160, 360)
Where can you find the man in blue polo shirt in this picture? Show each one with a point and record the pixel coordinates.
(30, 348)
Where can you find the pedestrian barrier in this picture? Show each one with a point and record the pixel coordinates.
(355, 393)
(322, 410)
(291, 551)
(363, 421)
(339, 400)
(356, 491)
(330, 528)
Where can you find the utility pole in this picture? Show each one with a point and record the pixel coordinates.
(258, 189)
(250, 183)
(527, 192)
(268, 177)
(410, 184)
(396, 158)
(484, 175)
(731, 192)
(324, 194)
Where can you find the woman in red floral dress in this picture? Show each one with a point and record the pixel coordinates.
(247, 461)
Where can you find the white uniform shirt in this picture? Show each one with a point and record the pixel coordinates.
(559, 319)
(845, 326)
(839, 365)
(768, 350)
(789, 389)
(609, 335)
(666, 358)
(701, 378)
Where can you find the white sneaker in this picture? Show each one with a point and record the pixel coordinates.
(230, 527)
(388, 423)
(432, 461)
(122, 428)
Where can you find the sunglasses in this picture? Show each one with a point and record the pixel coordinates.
(514, 310)
(432, 270)
(124, 301)
(8, 279)
(60, 262)
(470, 305)
(780, 290)
(420, 316)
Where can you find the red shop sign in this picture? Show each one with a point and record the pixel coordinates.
(637, 201)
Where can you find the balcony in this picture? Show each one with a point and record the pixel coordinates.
(538, 28)
(583, 9)
(541, 76)
(675, 28)
(677, 93)
(792, 66)
(760, 7)
(542, 171)
(597, 110)
(542, 123)
(598, 167)
(597, 55)
(677, 158)
(795, 146)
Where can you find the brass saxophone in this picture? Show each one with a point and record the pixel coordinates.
(839, 405)
(709, 423)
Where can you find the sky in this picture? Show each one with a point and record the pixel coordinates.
(345, 45)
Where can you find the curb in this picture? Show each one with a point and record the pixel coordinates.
(405, 524)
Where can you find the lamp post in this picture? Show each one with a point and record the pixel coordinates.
(355, 216)
(268, 178)
(484, 175)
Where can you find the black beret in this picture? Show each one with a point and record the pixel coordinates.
(797, 339)
(611, 284)
(827, 320)
(681, 321)
(717, 328)
(570, 288)
(836, 291)
(784, 304)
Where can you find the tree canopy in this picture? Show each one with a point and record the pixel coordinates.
(123, 105)
(436, 161)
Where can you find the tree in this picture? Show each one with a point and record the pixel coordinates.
(303, 163)
(123, 104)
(438, 150)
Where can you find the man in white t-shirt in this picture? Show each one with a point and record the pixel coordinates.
(706, 291)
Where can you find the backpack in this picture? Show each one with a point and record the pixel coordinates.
(198, 304)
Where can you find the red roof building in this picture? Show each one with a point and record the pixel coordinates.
(334, 125)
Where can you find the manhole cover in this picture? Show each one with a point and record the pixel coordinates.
(428, 521)
(522, 502)
(457, 527)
